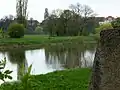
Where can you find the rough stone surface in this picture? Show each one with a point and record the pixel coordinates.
(106, 67)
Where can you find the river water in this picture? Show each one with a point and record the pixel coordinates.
(49, 59)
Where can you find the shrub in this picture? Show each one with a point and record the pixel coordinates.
(16, 30)
(116, 23)
(103, 27)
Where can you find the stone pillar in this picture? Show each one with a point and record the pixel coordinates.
(106, 67)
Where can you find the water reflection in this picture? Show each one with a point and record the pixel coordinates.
(18, 57)
(71, 56)
(50, 58)
(38, 61)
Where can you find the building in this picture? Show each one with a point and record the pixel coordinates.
(108, 19)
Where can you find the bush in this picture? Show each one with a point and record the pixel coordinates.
(116, 23)
(16, 30)
(103, 27)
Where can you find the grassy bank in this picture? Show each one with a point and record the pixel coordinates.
(37, 40)
(75, 79)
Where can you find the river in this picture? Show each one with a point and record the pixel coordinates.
(49, 59)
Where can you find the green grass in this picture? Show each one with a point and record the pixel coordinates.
(39, 39)
(73, 79)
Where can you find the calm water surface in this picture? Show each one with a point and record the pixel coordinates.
(49, 59)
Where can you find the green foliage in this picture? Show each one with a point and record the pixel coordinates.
(16, 30)
(24, 84)
(73, 79)
(4, 74)
(116, 23)
(28, 31)
(69, 23)
(26, 78)
(21, 11)
(3, 34)
(104, 27)
(85, 32)
(22, 20)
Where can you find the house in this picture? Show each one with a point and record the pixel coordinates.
(108, 19)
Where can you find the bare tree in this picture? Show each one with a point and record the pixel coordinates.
(82, 10)
(87, 11)
(57, 12)
(76, 8)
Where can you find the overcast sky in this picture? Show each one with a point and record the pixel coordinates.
(36, 7)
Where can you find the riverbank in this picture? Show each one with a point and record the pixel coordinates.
(36, 41)
(73, 79)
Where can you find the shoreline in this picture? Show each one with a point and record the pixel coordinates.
(36, 46)
(36, 41)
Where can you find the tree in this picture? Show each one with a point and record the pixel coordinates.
(50, 24)
(21, 10)
(5, 22)
(57, 22)
(88, 18)
(89, 24)
(82, 10)
(46, 14)
(31, 21)
(57, 12)
(87, 11)
(70, 22)
(78, 19)
(76, 8)
(65, 18)
(116, 23)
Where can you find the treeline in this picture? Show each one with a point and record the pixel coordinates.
(30, 24)
(77, 20)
